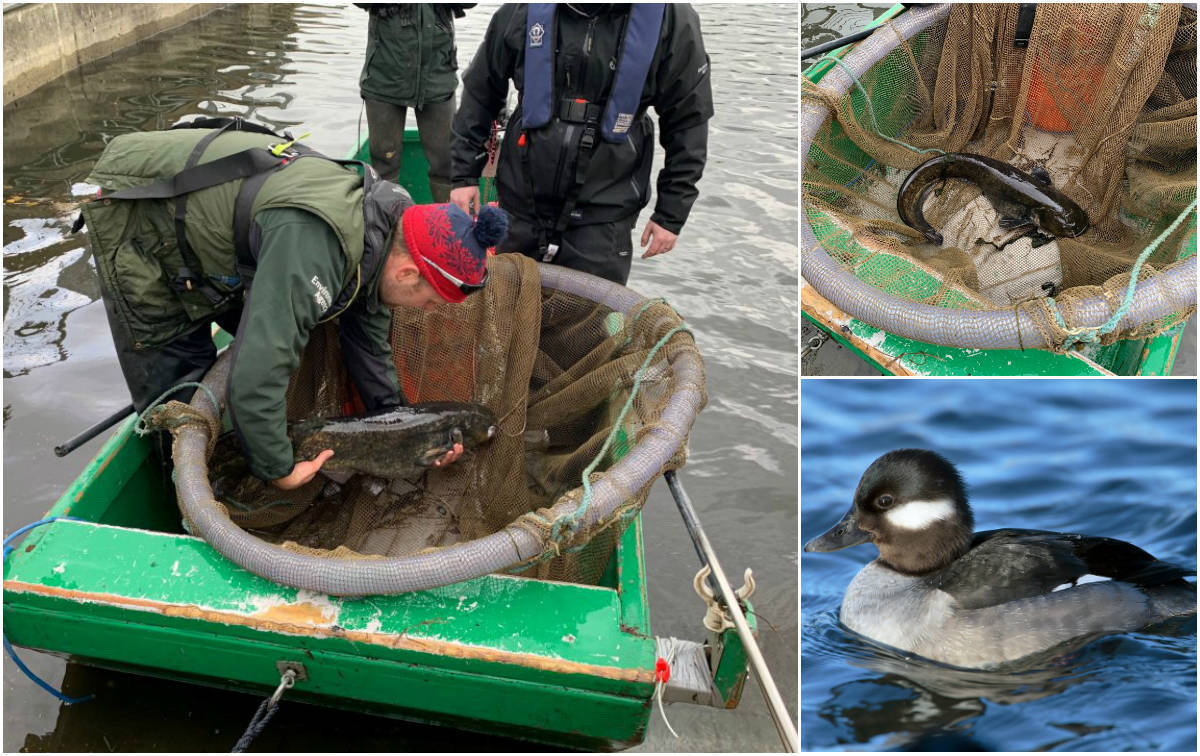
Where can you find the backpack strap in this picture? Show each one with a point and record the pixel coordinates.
(239, 165)
(191, 275)
(233, 123)
(254, 166)
(245, 255)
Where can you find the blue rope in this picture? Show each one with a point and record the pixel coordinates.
(1091, 335)
(8, 549)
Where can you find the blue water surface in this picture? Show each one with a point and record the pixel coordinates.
(1112, 458)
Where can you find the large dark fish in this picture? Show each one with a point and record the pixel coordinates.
(1025, 199)
(393, 443)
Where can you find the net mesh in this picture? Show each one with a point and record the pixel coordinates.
(556, 368)
(1103, 98)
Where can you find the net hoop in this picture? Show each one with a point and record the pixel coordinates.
(452, 564)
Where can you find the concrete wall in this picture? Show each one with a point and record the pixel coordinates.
(43, 41)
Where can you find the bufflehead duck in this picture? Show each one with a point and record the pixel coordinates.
(975, 600)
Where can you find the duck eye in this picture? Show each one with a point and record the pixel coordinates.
(885, 501)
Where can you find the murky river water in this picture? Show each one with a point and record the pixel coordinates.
(733, 276)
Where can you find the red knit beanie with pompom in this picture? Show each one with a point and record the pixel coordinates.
(446, 243)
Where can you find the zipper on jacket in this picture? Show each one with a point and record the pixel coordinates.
(421, 40)
(587, 41)
(563, 151)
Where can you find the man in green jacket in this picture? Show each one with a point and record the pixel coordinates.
(320, 242)
(411, 62)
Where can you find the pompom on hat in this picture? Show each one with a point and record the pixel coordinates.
(450, 248)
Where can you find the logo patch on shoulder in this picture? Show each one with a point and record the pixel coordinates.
(536, 33)
(320, 294)
(624, 121)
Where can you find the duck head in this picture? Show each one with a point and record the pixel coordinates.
(912, 504)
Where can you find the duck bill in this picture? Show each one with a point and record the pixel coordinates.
(841, 536)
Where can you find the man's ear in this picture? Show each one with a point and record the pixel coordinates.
(408, 273)
(402, 269)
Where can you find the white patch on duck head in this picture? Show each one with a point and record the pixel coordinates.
(918, 515)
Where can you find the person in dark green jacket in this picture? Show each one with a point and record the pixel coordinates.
(322, 244)
(411, 62)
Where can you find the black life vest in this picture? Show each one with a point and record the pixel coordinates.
(633, 66)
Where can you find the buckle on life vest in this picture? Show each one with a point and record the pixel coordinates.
(588, 140)
(280, 150)
(577, 110)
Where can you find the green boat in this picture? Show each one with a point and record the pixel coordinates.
(874, 291)
(115, 582)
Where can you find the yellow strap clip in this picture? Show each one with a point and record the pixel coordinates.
(278, 149)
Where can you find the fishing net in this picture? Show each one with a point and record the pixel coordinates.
(1103, 97)
(576, 386)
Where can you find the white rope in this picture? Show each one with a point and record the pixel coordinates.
(658, 688)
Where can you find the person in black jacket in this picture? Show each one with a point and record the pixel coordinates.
(411, 62)
(574, 169)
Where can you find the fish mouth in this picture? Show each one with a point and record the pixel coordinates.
(843, 535)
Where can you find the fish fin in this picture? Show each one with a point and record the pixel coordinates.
(1041, 175)
(338, 476)
(1040, 239)
(433, 455)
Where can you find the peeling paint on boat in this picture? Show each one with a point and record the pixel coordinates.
(311, 618)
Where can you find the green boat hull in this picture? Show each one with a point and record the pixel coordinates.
(554, 662)
(121, 586)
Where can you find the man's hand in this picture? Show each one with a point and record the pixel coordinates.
(467, 199)
(663, 240)
(449, 456)
(302, 472)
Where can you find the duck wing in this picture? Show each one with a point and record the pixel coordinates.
(1010, 564)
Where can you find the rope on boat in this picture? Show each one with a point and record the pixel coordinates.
(662, 674)
(775, 705)
(1091, 335)
(564, 527)
(571, 522)
(143, 425)
(8, 549)
(266, 710)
